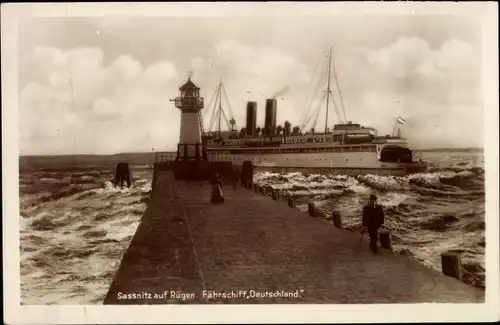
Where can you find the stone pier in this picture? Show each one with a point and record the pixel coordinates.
(252, 250)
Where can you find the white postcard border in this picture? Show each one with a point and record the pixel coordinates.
(17, 314)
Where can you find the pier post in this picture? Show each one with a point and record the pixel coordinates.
(262, 190)
(291, 202)
(247, 172)
(122, 174)
(337, 219)
(276, 195)
(255, 187)
(386, 239)
(451, 264)
(312, 209)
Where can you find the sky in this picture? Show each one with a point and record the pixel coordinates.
(103, 85)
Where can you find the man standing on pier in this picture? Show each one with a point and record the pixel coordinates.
(373, 219)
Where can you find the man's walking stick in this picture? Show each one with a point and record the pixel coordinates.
(361, 238)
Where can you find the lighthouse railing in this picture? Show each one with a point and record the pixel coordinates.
(165, 157)
(189, 101)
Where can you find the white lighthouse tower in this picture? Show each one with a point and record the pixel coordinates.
(190, 103)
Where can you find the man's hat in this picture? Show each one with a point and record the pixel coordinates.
(373, 197)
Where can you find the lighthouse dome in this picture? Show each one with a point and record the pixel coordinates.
(189, 85)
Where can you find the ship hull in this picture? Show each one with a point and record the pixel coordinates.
(346, 163)
(347, 171)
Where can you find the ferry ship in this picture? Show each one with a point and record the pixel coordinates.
(348, 149)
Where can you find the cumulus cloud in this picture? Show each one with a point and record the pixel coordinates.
(78, 104)
(80, 101)
(435, 89)
(123, 106)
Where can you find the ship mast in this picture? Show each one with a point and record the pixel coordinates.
(328, 88)
(218, 112)
(340, 93)
(318, 86)
(220, 104)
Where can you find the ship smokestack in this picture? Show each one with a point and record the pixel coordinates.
(251, 118)
(271, 112)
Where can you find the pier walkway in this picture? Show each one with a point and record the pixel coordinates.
(186, 245)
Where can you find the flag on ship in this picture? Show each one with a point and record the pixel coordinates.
(401, 120)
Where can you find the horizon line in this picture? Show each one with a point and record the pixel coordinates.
(152, 152)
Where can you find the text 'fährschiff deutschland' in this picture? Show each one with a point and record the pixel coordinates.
(251, 294)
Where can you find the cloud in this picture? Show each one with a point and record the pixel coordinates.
(436, 89)
(123, 106)
(79, 102)
(105, 108)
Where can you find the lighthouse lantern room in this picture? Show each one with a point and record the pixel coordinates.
(190, 103)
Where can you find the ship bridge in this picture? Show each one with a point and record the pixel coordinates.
(350, 127)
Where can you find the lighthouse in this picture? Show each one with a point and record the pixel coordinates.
(190, 103)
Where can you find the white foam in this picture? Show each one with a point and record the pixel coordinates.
(393, 199)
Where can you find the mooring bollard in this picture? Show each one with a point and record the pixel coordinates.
(337, 219)
(312, 209)
(291, 202)
(451, 264)
(386, 239)
(255, 187)
(276, 195)
(262, 190)
(122, 174)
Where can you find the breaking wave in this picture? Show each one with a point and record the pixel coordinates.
(74, 230)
